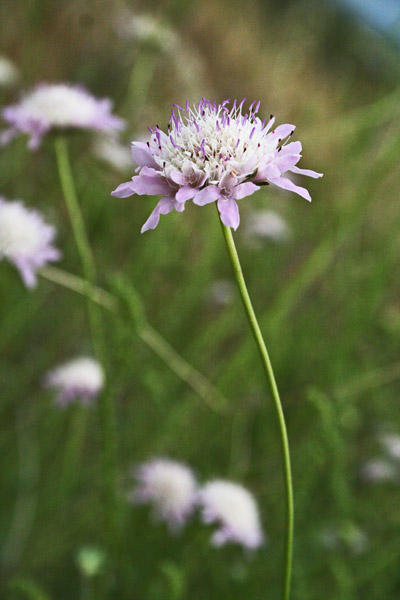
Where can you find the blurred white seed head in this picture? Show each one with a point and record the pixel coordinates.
(110, 150)
(25, 239)
(145, 28)
(9, 73)
(234, 510)
(80, 379)
(267, 225)
(170, 487)
(391, 443)
(377, 470)
(221, 292)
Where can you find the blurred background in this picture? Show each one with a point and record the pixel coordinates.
(323, 277)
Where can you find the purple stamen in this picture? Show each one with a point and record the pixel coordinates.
(172, 142)
(187, 106)
(177, 106)
(237, 143)
(252, 132)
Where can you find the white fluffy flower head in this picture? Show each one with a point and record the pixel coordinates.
(233, 508)
(170, 487)
(82, 379)
(25, 239)
(58, 106)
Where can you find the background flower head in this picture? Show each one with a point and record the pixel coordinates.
(169, 486)
(80, 379)
(25, 239)
(234, 510)
(57, 106)
(213, 153)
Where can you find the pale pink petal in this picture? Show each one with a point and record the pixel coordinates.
(185, 193)
(177, 177)
(229, 211)
(124, 190)
(286, 162)
(141, 155)
(291, 148)
(286, 184)
(307, 172)
(209, 194)
(282, 131)
(164, 206)
(228, 182)
(150, 183)
(267, 172)
(244, 189)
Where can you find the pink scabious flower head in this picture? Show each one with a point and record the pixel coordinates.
(233, 508)
(25, 239)
(213, 153)
(81, 379)
(170, 487)
(57, 106)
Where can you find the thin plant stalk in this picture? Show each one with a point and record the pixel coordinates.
(255, 328)
(106, 407)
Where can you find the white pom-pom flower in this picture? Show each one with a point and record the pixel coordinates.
(233, 508)
(170, 487)
(80, 379)
(25, 239)
(58, 106)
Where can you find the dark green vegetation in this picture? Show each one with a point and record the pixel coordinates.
(328, 301)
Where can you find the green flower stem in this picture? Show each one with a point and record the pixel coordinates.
(237, 269)
(106, 408)
(163, 349)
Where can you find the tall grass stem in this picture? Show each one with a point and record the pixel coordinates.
(106, 407)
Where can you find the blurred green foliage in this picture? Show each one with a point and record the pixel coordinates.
(328, 300)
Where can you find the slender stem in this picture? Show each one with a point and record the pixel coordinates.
(237, 269)
(106, 408)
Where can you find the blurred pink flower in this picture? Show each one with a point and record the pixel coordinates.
(169, 486)
(57, 106)
(25, 239)
(212, 153)
(80, 379)
(234, 510)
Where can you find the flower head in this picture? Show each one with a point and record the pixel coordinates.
(233, 508)
(80, 379)
(25, 239)
(169, 487)
(57, 106)
(213, 153)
